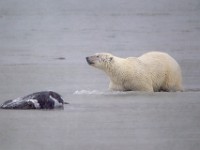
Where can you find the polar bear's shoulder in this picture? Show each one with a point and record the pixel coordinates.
(131, 58)
(134, 59)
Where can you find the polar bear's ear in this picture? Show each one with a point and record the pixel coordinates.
(111, 58)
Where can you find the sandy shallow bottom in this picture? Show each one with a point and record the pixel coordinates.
(43, 46)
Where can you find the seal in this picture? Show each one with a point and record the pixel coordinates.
(38, 100)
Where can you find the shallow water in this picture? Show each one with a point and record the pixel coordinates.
(43, 47)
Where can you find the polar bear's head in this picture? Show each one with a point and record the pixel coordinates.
(100, 60)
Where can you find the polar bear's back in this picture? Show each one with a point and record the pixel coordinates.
(164, 71)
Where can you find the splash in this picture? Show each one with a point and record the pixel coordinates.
(96, 92)
(88, 92)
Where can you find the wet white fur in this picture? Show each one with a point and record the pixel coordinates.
(153, 71)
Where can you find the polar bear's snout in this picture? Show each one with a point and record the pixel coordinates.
(91, 60)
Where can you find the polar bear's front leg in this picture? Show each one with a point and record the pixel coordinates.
(116, 87)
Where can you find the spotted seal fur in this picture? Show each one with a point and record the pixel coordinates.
(38, 100)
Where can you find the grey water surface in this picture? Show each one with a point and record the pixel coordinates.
(43, 45)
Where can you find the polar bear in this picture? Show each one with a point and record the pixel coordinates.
(152, 72)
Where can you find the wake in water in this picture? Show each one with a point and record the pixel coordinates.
(96, 92)
(87, 92)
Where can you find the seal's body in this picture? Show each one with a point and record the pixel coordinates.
(38, 100)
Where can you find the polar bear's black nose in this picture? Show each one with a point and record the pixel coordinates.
(87, 59)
